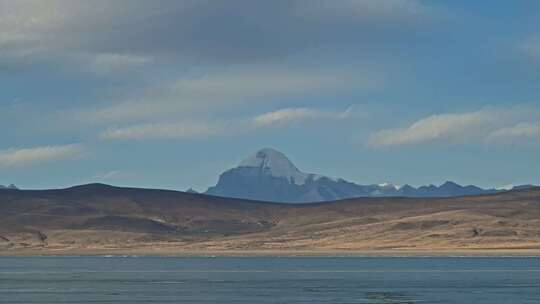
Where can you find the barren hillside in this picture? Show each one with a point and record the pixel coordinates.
(99, 217)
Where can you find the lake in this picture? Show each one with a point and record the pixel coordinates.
(269, 280)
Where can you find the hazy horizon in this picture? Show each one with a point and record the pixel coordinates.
(315, 174)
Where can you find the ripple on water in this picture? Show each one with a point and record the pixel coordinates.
(390, 297)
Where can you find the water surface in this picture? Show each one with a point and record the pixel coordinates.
(269, 280)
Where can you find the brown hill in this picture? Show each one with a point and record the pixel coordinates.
(100, 218)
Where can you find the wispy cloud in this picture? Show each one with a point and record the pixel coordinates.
(104, 63)
(205, 128)
(113, 174)
(256, 81)
(26, 156)
(175, 130)
(290, 115)
(483, 125)
(431, 128)
(524, 130)
(222, 89)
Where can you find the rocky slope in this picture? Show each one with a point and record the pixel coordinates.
(269, 175)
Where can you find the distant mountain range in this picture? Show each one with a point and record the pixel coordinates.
(11, 187)
(269, 175)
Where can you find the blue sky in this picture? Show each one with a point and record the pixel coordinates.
(169, 94)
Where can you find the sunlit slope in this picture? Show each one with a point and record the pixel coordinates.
(99, 217)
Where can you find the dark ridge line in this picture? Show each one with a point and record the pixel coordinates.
(101, 186)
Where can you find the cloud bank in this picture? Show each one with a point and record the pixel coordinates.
(27, 156)
(198, 30)
(487, 125)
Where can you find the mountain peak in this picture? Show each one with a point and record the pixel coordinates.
(448, 184)
(268, 158)
(272, 162)
(268, 175)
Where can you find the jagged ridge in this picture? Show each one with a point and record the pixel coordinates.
(269, 175)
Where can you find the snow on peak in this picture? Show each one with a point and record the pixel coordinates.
(276, 164)
(389, 185)
(506, 187)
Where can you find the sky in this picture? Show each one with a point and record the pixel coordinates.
(169, 94)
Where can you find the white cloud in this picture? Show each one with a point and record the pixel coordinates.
(289, 115)
(26, 156)
(483, 125)
(432, 128)
(176, 130)
(524, 130)
(24, 21)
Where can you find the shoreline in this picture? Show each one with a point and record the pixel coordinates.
(273, 253)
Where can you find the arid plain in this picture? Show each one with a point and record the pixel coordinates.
(100, 219)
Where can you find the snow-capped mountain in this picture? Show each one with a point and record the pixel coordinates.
(274, 163)
(515, 187)
(268, 175)
(10, 187)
